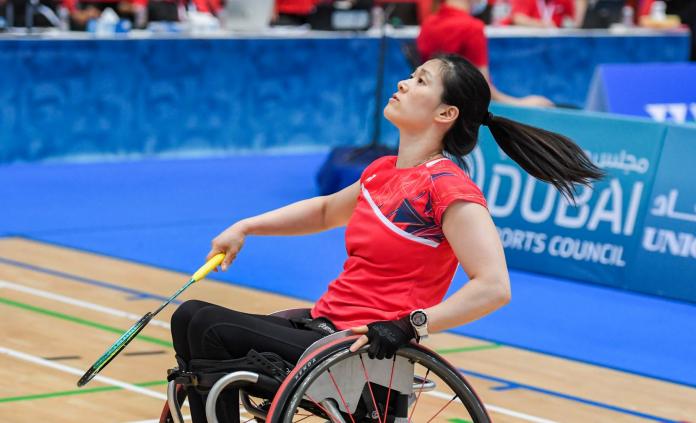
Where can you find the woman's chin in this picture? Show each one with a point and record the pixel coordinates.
(389, 115)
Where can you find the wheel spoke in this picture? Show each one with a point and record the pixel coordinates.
(340, 394)
(443, 407)
(372, 395)
(304, 417)
(391, 379)
(402, 376)
(320, 406)
(420, 391)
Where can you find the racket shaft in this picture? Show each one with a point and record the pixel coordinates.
(170, 299)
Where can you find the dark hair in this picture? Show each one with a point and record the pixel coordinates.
(545, 155)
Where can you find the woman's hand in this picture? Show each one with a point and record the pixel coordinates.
(230, 242)
(535, 101)
(385, 337)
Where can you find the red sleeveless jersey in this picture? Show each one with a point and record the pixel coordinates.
(398, 257)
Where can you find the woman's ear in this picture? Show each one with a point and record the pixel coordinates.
(447, 114)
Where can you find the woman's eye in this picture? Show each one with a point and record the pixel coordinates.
(420, 80)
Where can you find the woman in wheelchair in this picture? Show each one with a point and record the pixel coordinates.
(410, 220)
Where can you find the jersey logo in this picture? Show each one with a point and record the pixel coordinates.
(418, 228)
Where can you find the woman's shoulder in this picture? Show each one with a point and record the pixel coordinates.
(446, 173)
(382, 162)
(443, 167)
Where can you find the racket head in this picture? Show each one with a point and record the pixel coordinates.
(115, 349)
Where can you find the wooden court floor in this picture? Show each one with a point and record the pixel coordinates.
(61, 308)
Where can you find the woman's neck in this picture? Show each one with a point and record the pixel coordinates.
(416, 149)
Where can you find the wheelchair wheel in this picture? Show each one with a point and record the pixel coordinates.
(417, 385)
(180, 397)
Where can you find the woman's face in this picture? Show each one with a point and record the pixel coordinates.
(418, 99)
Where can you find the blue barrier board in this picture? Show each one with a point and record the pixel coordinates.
(664, 92)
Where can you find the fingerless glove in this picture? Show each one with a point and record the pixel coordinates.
(387, 336)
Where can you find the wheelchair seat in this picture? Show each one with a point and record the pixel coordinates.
(329, 383)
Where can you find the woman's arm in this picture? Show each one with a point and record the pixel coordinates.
(499, 96)
(303, 217)
(471, 233)
(474, 239)
(520, 19)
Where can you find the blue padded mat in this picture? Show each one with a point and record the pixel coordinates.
(165, 212)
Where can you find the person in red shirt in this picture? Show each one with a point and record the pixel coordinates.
(453, 30)
(294, 12)
(411, 220)
(547, 13)
(81, 11)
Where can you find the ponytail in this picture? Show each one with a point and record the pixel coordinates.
(546, 155)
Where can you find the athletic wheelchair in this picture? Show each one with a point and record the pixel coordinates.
(331, 384)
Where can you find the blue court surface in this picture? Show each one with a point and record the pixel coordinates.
(165, 212)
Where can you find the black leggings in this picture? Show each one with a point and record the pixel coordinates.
(209, 331)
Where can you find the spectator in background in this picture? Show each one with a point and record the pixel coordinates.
(685, 9)
(171, 10)
(453, 30)
(139, 12)
(294, 12)
(547, 13)
(82, 11)
(15, 12)
(209, 6)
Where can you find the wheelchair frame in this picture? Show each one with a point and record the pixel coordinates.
(322, 354)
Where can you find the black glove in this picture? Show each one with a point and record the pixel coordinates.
(387, 336)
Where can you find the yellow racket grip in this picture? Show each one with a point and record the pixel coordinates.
(208, 267)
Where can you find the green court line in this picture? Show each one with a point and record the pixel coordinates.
(458, 420)
(78, 392)
(81, 321)
(169, 344)
(467, 349)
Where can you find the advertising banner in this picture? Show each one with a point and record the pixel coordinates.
(665, 263)
(597, 238)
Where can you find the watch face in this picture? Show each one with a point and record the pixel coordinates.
(419, 318)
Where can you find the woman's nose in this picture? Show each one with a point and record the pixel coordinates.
(401, 86)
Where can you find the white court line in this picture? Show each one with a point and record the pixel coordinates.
(107, 380)
(497, 409)
(67, 369)
(185, 418)
(79, 303)
(131, 316)
(90, 306)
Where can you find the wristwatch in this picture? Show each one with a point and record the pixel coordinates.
(419, 321)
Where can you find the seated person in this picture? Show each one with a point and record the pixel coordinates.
(82, 11)
(410, 221)
(293, 12)
(547, 13)
(212, 7)
(453, 30)
(685, 9)
(16, 12)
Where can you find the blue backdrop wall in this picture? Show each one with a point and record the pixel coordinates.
(155, 96)
(635, 230)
